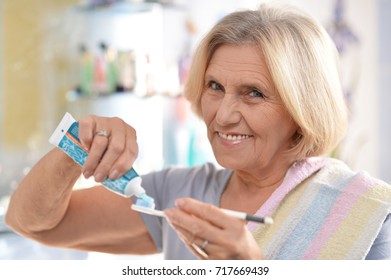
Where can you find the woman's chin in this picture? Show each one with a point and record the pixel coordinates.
(231, 163)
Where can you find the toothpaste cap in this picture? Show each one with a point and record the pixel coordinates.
(134, 187)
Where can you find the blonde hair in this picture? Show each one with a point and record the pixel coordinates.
(303, 62)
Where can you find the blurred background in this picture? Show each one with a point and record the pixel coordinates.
(130, 59)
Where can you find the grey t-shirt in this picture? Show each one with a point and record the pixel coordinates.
(206, 183)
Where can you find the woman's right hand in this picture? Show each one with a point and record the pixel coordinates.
(110, 155)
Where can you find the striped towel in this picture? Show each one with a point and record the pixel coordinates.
(323, 210)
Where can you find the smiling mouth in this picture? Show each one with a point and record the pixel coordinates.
(231, 137)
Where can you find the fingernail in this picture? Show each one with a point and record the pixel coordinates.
(87, 174)
(99, 177)
(114, 175)
(179, 203)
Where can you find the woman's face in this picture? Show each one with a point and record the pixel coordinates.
(248, 126)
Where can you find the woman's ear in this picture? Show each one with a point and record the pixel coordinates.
(297, 136)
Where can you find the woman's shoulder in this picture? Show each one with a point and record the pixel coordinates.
(203, 175)
(206, 169)
(338, 174)
(339, 167)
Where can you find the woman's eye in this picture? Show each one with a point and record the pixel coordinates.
(215, 86)
(256, 93)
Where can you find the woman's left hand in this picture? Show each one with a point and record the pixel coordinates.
(210, 233)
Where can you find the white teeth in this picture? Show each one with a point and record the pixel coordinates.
(233, 137)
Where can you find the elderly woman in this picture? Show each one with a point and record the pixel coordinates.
(266, 84)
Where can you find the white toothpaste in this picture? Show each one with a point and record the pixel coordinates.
(66, 137)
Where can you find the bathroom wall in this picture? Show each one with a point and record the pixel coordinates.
(384, 79)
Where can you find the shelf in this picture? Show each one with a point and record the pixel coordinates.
(126, 7)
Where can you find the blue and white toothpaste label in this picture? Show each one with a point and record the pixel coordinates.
(71, 145)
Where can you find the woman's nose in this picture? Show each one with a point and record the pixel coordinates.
(228, 110)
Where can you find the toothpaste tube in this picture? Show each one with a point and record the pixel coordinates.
(66, 137)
